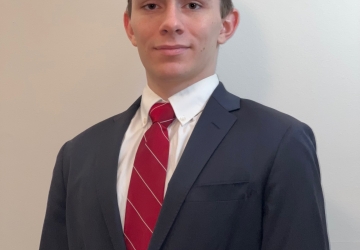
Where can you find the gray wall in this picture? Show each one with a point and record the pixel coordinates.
(65, 65)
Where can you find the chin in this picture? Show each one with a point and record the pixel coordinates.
(173, 71)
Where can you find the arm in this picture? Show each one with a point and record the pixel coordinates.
(293, 213)
(54, 234)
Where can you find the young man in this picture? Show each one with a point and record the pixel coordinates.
(198, 168)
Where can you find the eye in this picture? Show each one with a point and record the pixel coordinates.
(194, 6)
(150, 6)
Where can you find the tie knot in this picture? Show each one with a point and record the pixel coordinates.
(162, 113)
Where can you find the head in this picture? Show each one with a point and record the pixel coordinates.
(178, 40)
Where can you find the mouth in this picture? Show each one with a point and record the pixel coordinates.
(171, 50)
(175, 46)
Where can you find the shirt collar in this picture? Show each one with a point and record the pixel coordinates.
(186, 103)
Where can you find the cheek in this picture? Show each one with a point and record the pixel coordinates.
(207, 40)
(143, 33)
(208, 32)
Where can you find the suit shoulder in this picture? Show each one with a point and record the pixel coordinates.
(268, 123)
(257, 112)
(94, 133)
(96, 128)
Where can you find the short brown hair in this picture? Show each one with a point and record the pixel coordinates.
(225, 7)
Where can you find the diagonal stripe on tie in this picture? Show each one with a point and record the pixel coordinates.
(161, 164)
(127, 238)
(140, 215)
(148, 187)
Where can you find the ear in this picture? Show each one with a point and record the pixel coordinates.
(129, 30)
(229, 25)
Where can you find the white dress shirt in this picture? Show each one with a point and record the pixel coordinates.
(188, 104)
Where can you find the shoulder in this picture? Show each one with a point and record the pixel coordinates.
(93, 131)
(253, 115)
(86, 140)
(92, 135)
(262, 125)
(259, 115)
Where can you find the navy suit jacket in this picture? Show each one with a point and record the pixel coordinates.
(248, 179)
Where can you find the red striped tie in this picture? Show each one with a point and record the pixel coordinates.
(146, 189)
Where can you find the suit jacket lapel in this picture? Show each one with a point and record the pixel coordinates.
(106, 172)
(213, 125)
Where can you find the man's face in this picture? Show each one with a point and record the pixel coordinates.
(176, 39)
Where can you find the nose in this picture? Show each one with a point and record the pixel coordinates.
(171, 21)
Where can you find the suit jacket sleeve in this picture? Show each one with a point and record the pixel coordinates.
(54, 235)
(294, 215)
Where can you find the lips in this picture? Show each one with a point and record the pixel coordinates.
(171, 50)
(170, 47)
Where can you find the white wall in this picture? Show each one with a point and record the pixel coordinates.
(65, 65)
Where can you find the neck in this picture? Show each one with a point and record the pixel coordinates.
(168, 87)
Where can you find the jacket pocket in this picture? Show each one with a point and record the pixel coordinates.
(218, 192)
